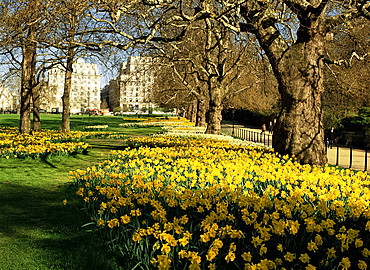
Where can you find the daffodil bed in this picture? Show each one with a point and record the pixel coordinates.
(45, 143)
(207, 204)
(172, 122)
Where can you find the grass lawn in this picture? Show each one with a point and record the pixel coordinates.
(77, 122)
(37, 231)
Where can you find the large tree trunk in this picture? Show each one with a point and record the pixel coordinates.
(214, 111)
(193, 111)
(36, 123)
(298, 68)
(299, 128)
(201, 113)
(190, 112)
(28, 62)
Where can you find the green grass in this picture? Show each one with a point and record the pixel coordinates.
(37, 231)
(77, 122)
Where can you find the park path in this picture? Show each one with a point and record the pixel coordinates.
(340, 157)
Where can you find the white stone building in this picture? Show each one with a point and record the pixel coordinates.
(8, 99)
(85, 90)
(131, 90)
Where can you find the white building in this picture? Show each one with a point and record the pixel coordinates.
(85, 90)
(131, 90)
(8, 99)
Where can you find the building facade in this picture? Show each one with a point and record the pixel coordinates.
(132, 88)
(85, 90)
(8, 99)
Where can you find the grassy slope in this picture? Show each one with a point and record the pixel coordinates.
(36, 230)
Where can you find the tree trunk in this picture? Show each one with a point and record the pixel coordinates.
(298, 68)
(201, 113)
(36, 123)
(194, 112)
(29, 59)
(299, 128)
(68, 85)
(188, 111)
(214, 111)
(66, 97)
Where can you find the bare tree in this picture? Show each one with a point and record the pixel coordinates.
(208, 62)
(23, 26)
(347, 83)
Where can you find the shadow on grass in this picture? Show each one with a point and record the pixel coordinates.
(46, 160)
(45, 233)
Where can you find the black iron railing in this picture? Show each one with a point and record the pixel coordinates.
(347, 157)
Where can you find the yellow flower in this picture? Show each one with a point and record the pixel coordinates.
(165, 249)
(278, 261)
(280, 247)
(164, 262)
(345, 263)
(358, 243)
(153, 260)
(230, 257)
(311, 246)
(212, 253)
(125, 219)
(304, 258)
(365, 252)
(318, 240)
(263, 249)
(247, 257)
(136, 237)
(256, 241)
(64, 201)
(136, 212)
(362, 265)
(367, 227)
(310, 267)
(100, 222)
(293, 226)
(184, 241)
(330, 253)
(289, 257)
(204, 238)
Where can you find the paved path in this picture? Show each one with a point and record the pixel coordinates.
(358, 155)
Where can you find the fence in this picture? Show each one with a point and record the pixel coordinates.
(349, 157)
(346, 157)
(250, 135)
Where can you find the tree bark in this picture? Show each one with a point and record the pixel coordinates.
(214, 111)
(194, 111)
(299, 129)
(68, 82)
(66, 96)
(28, 65)
(298, 68)
(189, 111)
(36, 123)
(201, 113)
